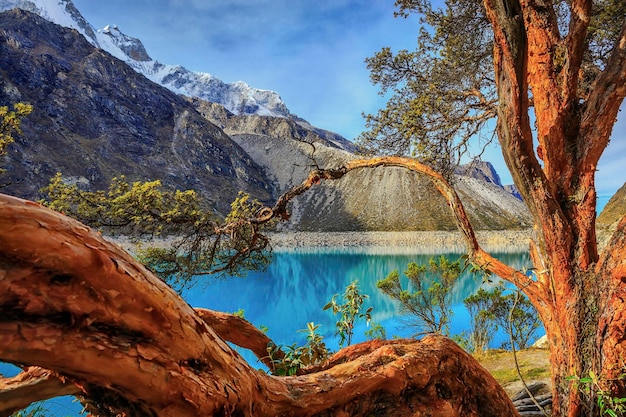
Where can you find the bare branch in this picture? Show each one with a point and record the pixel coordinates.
(240, 332)
(31, 385)
(480, 257)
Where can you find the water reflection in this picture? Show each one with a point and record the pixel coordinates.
(298, 284)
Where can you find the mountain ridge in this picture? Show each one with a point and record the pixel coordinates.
(96, 118)
(238, 97)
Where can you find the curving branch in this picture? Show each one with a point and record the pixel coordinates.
(534, 290)
(31, 385)
(80, 306)
(241, 332)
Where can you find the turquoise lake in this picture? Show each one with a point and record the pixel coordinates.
(298, 283)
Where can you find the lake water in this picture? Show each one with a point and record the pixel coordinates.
(298, 283)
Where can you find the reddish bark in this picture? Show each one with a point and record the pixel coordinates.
(81, 307)
(580, 304)
(33, 384)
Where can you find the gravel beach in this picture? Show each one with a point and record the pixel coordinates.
(430, 242)
(413, 242)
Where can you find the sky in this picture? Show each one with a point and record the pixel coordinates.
(312, 53)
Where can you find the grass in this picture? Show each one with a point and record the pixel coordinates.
(534, 366)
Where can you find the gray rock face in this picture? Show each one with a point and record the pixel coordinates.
(238, 97)
(380, 199)
(95, 118)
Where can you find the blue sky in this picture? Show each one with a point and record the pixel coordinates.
(311, 52)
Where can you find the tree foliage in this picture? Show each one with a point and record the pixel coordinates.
(10, 124)
(428, 297)
(195, 241)
(443, 93)
(483, 325)
(553, 74)
(501, 308)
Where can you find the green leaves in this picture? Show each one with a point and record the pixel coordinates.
(442, 94)
(349, 311)
(296, 357)
(428, 299)
(10, 124)
(597, 388)
(196, 241)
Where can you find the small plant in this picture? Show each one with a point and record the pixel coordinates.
(429, 301)
(483, 326)
(314, 351)
(350, 311)
(597, 389)
(297, 357)
(492, 309)
(376, 332)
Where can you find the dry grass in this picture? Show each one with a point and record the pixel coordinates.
(534, 366)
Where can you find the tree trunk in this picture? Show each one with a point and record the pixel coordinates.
(578, 294)
(81, 307)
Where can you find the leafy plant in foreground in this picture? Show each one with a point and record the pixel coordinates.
(428, 297)
(296, 357)
(350, 311)
(597, 389)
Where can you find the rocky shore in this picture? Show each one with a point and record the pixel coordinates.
(430, 242)
(414, 242)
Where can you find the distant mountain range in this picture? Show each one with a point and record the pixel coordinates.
(237, 97)
(103, 108)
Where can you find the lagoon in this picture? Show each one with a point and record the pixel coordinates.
(301, 280)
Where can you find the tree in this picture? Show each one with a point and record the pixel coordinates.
(563, 61)
(490, 309)
(429, 300)
(515, 314)
(106, 328)
(480, 306)
(554, 75)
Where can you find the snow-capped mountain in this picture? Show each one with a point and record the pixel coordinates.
(237, 97)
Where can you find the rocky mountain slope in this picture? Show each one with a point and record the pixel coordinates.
(238, 97)
(95, 118)
(372, 199)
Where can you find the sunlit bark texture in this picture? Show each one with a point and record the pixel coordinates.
(582, 296)
(105, 327)
(553, 74)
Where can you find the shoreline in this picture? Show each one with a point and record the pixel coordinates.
(428, 242)
(411, 242)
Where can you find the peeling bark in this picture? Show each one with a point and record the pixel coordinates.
(81, 307)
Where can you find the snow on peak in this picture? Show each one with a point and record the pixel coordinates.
(237, 97)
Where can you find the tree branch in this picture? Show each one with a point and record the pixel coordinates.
(31, 385)
(602, 107)
(80, 306)
(242, 333)
(575, 42)
(532, 289)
